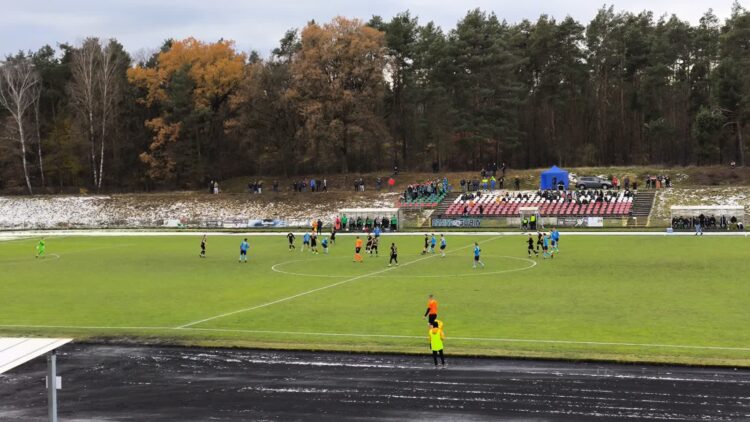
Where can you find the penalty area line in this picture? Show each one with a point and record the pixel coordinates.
(393, 336)
(329, 286)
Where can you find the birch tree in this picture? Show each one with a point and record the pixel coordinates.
(109, 89)
(97, 75)
(84, 69)
(19, 91)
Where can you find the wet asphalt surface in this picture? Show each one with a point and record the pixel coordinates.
(130, 383)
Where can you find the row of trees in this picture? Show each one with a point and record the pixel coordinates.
(353, 96)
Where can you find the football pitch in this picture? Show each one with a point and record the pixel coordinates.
(678, 299)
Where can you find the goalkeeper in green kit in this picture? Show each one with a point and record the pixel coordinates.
(40, 248)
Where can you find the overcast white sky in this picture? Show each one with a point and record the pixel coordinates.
(258, 25)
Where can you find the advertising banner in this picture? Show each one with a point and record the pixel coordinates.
(456, 222)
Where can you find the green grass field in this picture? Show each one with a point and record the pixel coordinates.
(626, 298)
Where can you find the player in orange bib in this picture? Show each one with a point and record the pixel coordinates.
(357, 249)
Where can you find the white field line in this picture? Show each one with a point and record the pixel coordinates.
(58, 256)
(329, 286)
(473, 274)
(392, 336)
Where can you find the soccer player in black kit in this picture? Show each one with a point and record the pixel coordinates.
(394, 255)
(291, 238)
(531, 249)
(539, 241)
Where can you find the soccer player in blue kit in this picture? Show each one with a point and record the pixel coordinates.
(477, 251)
(244, 246)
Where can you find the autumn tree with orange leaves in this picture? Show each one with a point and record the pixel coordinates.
(190, 83)
(338, 86)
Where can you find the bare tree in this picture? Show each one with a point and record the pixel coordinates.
(20, 87)
(95, 89)
(108, 90)
(39, 140)
(84, 69)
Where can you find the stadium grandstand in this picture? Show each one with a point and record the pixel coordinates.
(550, 203)
(424, 195)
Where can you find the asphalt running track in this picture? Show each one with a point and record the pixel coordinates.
(135, 383)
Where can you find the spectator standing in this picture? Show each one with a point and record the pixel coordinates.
(391, 183)
(700, 224)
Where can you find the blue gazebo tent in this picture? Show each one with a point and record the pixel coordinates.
(552, 177)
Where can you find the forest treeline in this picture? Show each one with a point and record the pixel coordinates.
(354, 96)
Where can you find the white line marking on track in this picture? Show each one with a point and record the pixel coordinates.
(394, 336)
(339, 283)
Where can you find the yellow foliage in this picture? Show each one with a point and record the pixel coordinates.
(215, 68)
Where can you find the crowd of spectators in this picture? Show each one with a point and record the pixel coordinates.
(710, 222)
(313, 185)
(491, 177)
(309, 185)
(578, 196)
(426, 189)
(484, 184)
(657, 182)
(255, 186)
(366, 224)
(586, 196)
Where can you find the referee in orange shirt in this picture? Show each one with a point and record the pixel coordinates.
(432, 310)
